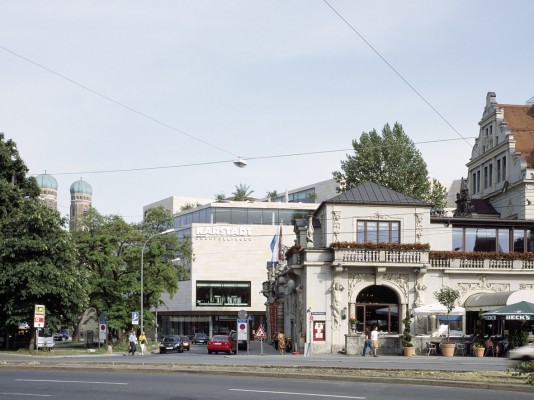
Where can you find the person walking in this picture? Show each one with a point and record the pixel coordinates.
(374, 339)
(132, 340)
(281, 342)
(367, 342)
(142, 342)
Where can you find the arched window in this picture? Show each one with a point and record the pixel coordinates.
(378, 305)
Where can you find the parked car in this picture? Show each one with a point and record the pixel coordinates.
(525, 353)
(171, 343)
(241, 344)
(186, 342)
(200, 338)
(222, 343)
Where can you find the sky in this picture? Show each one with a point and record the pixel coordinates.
(169, 93)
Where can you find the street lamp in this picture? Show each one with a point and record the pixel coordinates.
(142, 268)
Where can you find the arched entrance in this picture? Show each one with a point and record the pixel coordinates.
(378, 305)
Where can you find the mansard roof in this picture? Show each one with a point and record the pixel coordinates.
(370, 193)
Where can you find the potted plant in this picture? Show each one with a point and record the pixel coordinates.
(353, 322)
(478, 345)
(447, 297)
(407, 344)
(478, 349)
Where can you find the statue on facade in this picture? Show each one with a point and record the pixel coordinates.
(336, 289)
(309, 230)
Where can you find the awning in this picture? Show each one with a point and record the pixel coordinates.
(490, 301)
(436, 309)
(522, 311)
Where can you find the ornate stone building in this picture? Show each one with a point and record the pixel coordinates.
(339, 277)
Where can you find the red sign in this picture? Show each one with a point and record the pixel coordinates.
(319, 331)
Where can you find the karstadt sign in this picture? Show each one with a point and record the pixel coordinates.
(224, 233)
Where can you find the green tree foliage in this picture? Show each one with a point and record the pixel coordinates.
(37, 257)
(242, 193)
(389, 159)
(438, 195)
(447, 297)
(110, 250)
(219, 197)
(271, 195)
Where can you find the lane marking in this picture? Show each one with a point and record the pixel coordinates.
(24, 394)
(58, 381)
(298, 394)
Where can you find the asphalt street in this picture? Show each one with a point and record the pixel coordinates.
(136, 386)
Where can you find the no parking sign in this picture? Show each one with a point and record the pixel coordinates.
(242, 329)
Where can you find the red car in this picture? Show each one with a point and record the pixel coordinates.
(223, 343)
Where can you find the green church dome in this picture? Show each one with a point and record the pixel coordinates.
(46, 181)
(81, 187)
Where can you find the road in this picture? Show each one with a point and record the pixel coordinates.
(199, 355)
(22, 384)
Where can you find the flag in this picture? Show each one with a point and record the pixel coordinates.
(276, 247)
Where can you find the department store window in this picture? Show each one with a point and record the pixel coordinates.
(378, 232)
(223, 294)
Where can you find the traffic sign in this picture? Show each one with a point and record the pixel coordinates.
(135, 318)
(39, 316)
(242, 329)
(260, 333)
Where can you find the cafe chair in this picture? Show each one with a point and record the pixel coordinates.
(460, 347)
(431, 347)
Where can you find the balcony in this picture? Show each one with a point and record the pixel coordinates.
(485, 264)
(380, 257)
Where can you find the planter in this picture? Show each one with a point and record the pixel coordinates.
(408, 351)
(352, 328)
(447, 349)
(479, 351)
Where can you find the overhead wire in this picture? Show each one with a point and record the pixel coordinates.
(224, 161)
(97, 93)
(427, 102)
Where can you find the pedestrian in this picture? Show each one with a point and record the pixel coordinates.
(281, 342)
(132, 340)
(142, 342)
(367, 342)
(374, 338)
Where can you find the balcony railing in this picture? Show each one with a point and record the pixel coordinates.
(487, 263)
(381, 256)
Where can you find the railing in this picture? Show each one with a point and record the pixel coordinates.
(381, 256)
(487, 263)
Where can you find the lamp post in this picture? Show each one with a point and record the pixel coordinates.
(142, 268)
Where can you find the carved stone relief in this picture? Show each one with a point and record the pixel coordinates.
(526, 286)
(418, 227)
(357, 280)
(482, 285)
(400, 281)
(336, 224)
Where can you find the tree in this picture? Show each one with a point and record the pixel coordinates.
(390, 159)
(271, 195)
(447, 297)
(110, 249)
(242, 193)
(189, 206)
(37, 257)
(438, 195)
(219, 197)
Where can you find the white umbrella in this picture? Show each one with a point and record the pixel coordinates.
(437, 309)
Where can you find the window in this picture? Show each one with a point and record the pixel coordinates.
(485, 177)
(478, 182)
(490, 175)
(377, 232)
(223, 294)
(499, 178)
